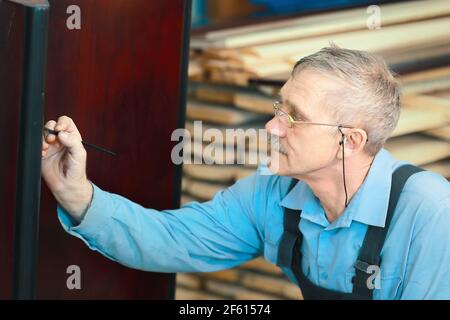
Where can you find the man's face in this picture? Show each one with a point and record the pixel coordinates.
(303, 148)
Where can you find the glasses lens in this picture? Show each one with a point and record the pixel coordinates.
(282, 116)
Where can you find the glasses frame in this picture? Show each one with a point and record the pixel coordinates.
(279, 112)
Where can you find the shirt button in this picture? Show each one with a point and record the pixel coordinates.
(324, 275)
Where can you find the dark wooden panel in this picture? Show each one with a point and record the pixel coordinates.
(11, 54)
(118, 78)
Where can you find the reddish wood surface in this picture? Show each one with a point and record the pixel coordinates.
(11, 31)
(119, 79)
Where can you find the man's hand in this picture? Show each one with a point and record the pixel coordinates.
(64, 167)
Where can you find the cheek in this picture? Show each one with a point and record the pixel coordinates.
(314, 149)
(299, 149)
(300, 144)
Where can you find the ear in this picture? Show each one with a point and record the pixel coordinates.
(354, 141)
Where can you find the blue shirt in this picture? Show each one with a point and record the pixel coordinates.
(246, 220)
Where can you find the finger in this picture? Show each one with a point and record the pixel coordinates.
(50, 138)
(44, 145)
(65, 123)
(72, 141)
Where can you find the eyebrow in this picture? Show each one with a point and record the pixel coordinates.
(297, 110)
(293, 107)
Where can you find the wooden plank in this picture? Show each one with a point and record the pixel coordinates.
(443, 132)
(427, 103)
(189, 281)
(441, 167)
(251, 137)
(221, 114)
(212, 154)
(243, 98)
(209, 153)
(200, 189)
(386, 38)
(424, 75)
(261, 265)
(218, 173)
(230, 275)
(218, 35)
(418, 149)
(254, 102)
(185, 198)
(188, 294)
(210, 37)
(412, 120)
(237, 78)
(234, 291)
(428, 86)
(195, 70)
(272, 285)
(215, 94)
(444, 94)
(420, 53)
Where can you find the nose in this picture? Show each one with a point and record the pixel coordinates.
(274, 127)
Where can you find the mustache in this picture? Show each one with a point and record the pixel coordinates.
(275, 145)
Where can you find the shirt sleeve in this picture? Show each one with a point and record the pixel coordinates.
(428, 268)
(210, 236)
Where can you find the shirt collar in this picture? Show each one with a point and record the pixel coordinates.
(369, 205)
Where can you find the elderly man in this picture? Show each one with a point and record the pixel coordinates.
(341, 217)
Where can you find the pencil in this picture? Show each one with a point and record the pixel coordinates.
(86, 144)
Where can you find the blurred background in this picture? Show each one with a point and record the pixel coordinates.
(243, 50)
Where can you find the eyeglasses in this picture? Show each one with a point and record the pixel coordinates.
(287, 120)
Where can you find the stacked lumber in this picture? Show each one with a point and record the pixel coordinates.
(255, 280)
(413, 35)
(415, 28)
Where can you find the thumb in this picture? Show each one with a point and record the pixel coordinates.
(72, 142)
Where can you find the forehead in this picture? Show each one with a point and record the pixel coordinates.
(308, 86)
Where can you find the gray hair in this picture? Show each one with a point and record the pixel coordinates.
(370, 96)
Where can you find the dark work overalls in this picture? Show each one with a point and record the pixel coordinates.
(289, 254)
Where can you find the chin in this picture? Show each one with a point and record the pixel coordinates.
(278, 164)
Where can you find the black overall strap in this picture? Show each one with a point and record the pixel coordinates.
(369, 254)
(290, 235)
